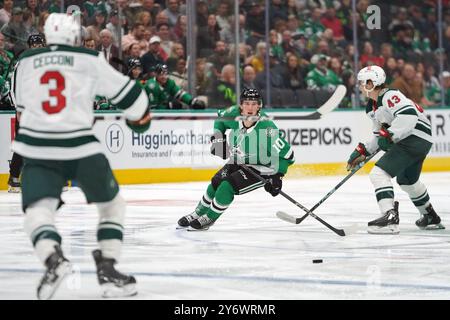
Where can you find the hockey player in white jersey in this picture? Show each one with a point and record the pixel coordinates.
(401, 129)
(54, 89)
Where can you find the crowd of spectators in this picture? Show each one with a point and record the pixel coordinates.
(310, 43)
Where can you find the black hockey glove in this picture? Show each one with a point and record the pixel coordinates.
(274, 184)
(196, 103)
(219, 145)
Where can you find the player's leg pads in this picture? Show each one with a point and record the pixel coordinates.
(110, 228)
(384, 191)
(418, 194)
(40, 227)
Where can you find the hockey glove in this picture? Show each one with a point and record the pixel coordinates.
(219, 145)
(357, 156)
(385, 139)
(196, 103)
(274, 184)
(141, 125)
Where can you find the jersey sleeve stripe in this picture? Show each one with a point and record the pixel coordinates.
(408, 111)
(421, 127)
(403, 108)
(65, 143)
(120, 91)
(129, 98)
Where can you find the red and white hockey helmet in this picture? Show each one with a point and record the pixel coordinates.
(374, 73)
(61, 28)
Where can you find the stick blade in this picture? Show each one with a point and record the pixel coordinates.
(334, 100)
(354, 228)
(286, 217)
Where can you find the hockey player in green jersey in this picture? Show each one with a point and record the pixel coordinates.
(257, 144)
(162, 91)
(403, 131)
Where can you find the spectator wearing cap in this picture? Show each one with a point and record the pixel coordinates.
(6, 12)
(320, 77)
(115, 26)
(136, 35)
(15, 32)
(172, 11)
(108, 49)
(153, 57)
(93, 31)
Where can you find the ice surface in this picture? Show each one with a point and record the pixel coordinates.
(249, 253)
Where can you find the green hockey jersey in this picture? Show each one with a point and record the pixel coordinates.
(160, 96)
(260, 146)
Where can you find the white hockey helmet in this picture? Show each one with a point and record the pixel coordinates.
(374, 73)
(61, 28)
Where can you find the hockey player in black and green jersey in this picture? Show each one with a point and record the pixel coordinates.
(163, 92)
(255, 144)
(403, 131)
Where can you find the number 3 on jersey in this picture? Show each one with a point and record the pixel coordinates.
(55, 93)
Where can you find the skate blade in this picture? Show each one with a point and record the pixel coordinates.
(14, 190)
(47, 291)
(193, 229)
(433, 227)
(391, 229)
(180, 227)
(109, 290)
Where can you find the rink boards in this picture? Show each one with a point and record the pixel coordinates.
(178, 150)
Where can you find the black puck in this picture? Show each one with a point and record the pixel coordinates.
(317, 261)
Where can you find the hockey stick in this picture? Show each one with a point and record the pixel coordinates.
(327, 107)
(341, 232)
(286, 217)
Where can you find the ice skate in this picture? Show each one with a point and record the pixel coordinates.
(14, 185)
(201, 224)
(387, 224)
(185, 221)
(58, 267)
(112, 282)
(430, 221)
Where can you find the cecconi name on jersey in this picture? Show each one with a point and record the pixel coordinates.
(54, 59)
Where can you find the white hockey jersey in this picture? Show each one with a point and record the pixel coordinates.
(401, 115)
(54, 89)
